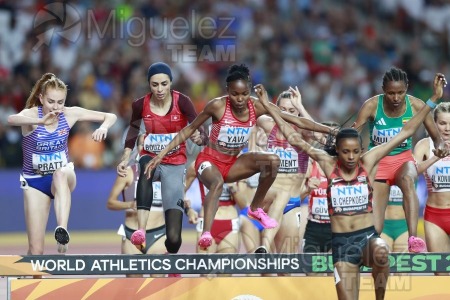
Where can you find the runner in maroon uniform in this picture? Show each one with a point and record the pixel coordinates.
(164, 113)
(350, 175)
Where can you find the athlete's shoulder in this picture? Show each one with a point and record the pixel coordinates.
(181, 95)
(217, 102)
(416, 103)
(373, 101)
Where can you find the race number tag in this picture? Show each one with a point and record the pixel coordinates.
(44, 164)
(155, 143)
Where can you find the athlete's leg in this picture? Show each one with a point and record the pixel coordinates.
(437, 240)
(211, 178)
(144, 194)
(251, 163)
(251, 236)
(37, 208)
(279, 199)
(128, 248)
(388, 240)
(405, 179)
(288, 238)
(380, 201)
(63, 184)
(346, 278)
(401, 243)
(376, 256)
(174, 223)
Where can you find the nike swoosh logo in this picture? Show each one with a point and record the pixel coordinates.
(158, 235)
(369, 236)
(40, 135)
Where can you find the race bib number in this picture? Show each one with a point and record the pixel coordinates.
(440, 177)
(155, 143)
(382, 136)
(45, 164)
(233, 137)
(319, 209)
(289, 159)
(350, 198)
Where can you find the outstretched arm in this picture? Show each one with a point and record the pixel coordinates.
(421, 152)
(293, 137)
(372, 157)
(75, 114)
(430, 125)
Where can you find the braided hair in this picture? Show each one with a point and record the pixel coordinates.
(238, 72)
(344, 133)
(394, 74)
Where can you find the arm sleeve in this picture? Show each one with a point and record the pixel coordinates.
(187, 108)
(135, 123)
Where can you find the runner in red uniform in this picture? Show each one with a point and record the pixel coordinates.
(233, 117)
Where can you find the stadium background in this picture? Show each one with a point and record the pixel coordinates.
(335, 51)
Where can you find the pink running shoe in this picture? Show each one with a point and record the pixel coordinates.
(416, 245)
(138, 239)
(261, 216)
(205, 240)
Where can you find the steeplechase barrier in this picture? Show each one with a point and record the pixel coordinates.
(102, 276)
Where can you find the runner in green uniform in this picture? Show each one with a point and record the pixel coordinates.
(386, 115)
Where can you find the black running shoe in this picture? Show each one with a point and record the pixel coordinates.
(261, 249)
(62, 235)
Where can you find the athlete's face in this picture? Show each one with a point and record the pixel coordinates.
(160, 86)
(53, 100)
(349, 152)
(394, 93)
(238, 93)
(286, 106)
(443, 125)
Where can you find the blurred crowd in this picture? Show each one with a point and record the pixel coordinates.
(335, 51)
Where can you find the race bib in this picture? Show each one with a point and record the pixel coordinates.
(233, 137)
(382, 136)
(319, 208)
(349, 198)
(155, 143)
(45, 164)
(289, 159)
(395, 194)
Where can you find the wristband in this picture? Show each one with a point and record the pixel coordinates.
(431, 104)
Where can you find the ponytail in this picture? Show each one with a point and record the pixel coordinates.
(48, 80)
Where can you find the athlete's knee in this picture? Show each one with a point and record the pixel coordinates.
(381, 254)
(173, 243)
(216, 186)
(59, 177)
(407, 180)
(269, 165)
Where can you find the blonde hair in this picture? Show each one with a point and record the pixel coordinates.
(48, 80)
(443, 107)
